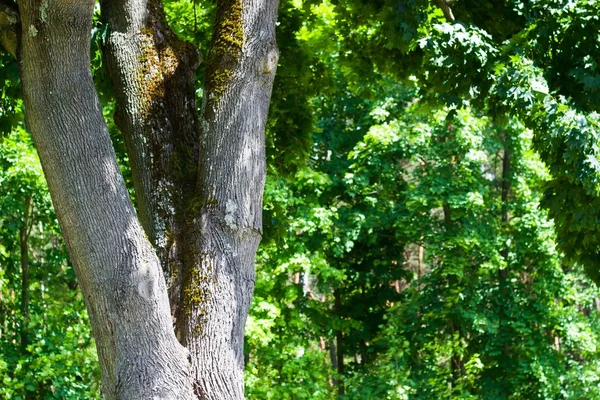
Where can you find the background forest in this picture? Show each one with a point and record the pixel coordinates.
(430, 217)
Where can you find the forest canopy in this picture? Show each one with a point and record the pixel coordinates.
(430, 212)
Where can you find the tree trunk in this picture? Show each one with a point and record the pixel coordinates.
(24, 247)
(420, 269)
(219, 212)
(225, 225)
(503, 273)
(153, 75)
(117, 269)
(339, 339)
(206, 189)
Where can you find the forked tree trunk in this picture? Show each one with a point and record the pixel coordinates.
(117, 268)
(241, 68)
(214, 205)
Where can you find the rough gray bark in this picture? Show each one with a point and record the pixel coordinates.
(222, 220)
(117, 268)
(226, 220)
(153, 75)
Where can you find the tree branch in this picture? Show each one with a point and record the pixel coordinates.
(445, 6)
(153, 75)
(9, 24)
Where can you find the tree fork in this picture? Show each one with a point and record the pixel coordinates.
(222, 214)
(117, 268)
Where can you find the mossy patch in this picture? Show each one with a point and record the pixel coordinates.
(220, 79)
(197, 293)
(229, 32)
(197, 204)
(156, 65)
(226, 49)
(161, 56)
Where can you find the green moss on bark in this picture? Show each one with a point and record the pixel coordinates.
(226, 49)
(229, 34)
(197, 294)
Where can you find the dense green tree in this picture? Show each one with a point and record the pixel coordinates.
(434, 210)
(533, 60)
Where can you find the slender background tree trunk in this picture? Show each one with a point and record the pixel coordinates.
(505, 219)
(339, 339)
(24, 247)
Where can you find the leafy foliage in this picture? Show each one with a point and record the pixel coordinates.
(406, 253)
(58, 359)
